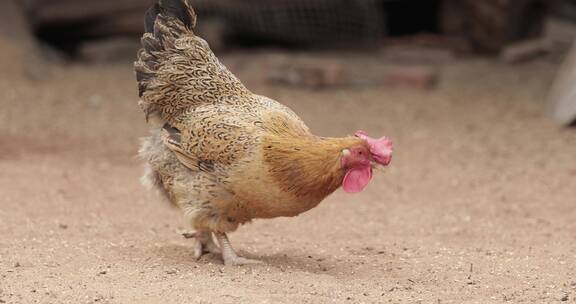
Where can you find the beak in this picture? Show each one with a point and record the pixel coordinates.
(378, 167)
(384, 159)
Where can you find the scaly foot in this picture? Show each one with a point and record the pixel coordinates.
(229, 255)
(238, 260)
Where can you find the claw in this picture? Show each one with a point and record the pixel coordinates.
(229, 255)
(238, 261)
(189, 235)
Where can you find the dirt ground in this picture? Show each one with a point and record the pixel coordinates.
(478, 205)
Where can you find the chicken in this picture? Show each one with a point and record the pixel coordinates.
(223, 154)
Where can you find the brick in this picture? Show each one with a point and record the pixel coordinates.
(419, 77)
(312, 74)
(524, 51)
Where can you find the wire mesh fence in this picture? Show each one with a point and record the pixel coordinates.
(347, 23)
(313, 22)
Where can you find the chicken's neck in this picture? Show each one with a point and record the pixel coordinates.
(307, 166)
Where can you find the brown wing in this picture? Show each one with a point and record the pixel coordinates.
(213, 139)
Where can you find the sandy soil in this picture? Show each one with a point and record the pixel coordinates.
(477, 207)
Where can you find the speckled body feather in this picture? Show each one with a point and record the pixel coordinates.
(221, 153)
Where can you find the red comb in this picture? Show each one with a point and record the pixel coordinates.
(380, 148)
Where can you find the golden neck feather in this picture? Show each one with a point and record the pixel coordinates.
(307, 166)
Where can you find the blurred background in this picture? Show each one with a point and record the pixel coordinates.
(478, 97)
(310, 44)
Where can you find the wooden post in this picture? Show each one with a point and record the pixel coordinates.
(562, 100)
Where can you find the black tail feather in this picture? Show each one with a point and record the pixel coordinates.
(164, 22)
(179, 9)
(150, 18)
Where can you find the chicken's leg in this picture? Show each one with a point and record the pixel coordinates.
(228, 254)
(204, 244)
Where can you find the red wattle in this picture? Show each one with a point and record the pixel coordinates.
(356, 179)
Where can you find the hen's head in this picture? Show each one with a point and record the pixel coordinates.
(358, 160)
